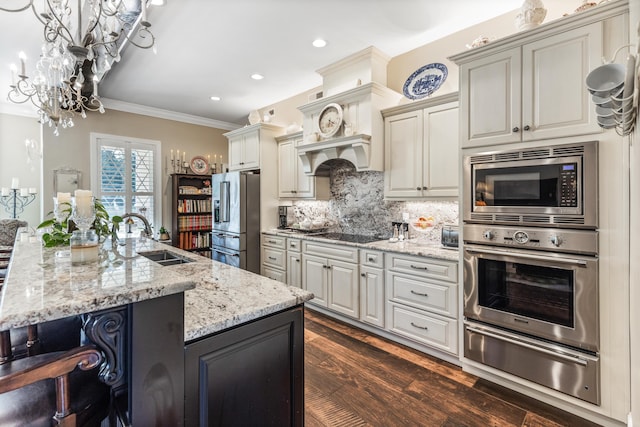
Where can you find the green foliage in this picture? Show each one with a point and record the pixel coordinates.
(58, 233)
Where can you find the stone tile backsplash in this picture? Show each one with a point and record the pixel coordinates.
(357, 206)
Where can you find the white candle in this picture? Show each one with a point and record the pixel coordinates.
(24, 192)
(23, 59)
(4, 191)
(184, 154)
(15, 183)
(84, 200)
(14, 70)
(32, 190)
(172, 158)
(64, 198)
(95, 86)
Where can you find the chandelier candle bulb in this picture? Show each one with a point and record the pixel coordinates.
(15, 183)
(172, 159)
(24, 192)
(32, 190)
(23, 59)
(4, 191)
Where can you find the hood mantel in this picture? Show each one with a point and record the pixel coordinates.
(355, 148)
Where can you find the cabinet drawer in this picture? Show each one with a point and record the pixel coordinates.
(430, 329)
(274, 274)
(425, 267)
(371, 258)
(274, 257)
(294, 245)
(439, 297)
(274, 241)
(341, 253)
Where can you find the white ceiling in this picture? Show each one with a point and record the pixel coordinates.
(211, 47)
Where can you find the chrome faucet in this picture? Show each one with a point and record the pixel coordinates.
(147, 227)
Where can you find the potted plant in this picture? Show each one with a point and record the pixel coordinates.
(163, 234)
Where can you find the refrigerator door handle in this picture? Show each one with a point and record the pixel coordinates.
(225, 201)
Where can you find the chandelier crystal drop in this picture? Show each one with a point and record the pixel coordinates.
(80, 46)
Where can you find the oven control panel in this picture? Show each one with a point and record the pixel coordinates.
(559, 240)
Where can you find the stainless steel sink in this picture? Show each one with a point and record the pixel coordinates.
(165, 257)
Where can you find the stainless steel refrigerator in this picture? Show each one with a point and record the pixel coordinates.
(236, 220)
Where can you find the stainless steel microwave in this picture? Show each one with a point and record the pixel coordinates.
(538, 186)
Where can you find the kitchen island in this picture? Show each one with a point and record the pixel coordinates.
(163, 324)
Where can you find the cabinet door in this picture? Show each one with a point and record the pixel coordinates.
(372, 295)
(403, 154)
(286, 168)
(556, 102)
(304, 183)
(344, 288)
(294, 269)
(490, 99)
(314, 272)
(440, 153)
(235, 153)
(251, 151)
(249, 373)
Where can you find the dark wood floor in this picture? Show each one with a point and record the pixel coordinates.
(353, 378)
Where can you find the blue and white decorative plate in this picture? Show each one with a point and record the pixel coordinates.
(425, 80)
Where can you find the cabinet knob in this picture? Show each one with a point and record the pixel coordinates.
(297, 260)
(418, 188)
(516, 129)
(424, 188)
(363, 275)
(527, 127)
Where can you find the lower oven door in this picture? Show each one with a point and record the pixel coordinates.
(227, 256)
(548, 295)
(560, 368)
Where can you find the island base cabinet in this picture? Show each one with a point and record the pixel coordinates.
(250, 375)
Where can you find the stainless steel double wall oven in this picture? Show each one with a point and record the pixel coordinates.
(531, 264)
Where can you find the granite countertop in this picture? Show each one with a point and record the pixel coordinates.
(411, 247)
(43, 285)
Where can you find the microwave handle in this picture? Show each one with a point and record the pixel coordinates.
(578, 262)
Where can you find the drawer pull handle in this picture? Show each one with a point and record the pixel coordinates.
(419, 293)
(371, 259)
(272, 258)
(417, 267)
(271, 241)
(419, 327)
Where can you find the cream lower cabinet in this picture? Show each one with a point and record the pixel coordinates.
(421, 149)
(274, 257)
(422, 300)
(330, 272)
(372, 287)
(294, 263)
(529, 89)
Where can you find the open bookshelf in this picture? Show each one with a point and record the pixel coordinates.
(191, 219)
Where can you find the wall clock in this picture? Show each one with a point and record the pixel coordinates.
(199, 165)
(329, 120)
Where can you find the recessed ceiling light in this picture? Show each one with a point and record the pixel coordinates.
(319, 43)
(158, 2)
(215, 98)
(257, 76)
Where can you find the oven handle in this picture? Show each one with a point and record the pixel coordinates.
(579, 262)
(569, 358)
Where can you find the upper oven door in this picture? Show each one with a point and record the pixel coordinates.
(551, 296)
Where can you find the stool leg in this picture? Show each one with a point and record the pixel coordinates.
(5, 347)
(33, 342)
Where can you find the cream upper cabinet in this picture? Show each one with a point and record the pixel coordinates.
(530, 89)
(293, 183)
(251, 145)
(421, 149)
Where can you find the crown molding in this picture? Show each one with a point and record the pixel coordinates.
(159, 113)
(23, 110)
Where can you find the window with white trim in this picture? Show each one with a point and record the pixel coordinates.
(127, 175)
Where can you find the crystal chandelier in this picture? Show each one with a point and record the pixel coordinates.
(79, 48)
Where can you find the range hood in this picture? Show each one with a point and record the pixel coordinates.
(357, 84)
(356, 149)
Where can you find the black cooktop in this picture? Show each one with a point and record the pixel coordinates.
(353, 238)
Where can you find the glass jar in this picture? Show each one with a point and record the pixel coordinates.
(84, 246)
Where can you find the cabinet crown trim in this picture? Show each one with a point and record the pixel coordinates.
(420, 105)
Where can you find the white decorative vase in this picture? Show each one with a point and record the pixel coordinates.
(254, 117)
(532, 13)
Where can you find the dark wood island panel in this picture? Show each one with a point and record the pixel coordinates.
(248, 375)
